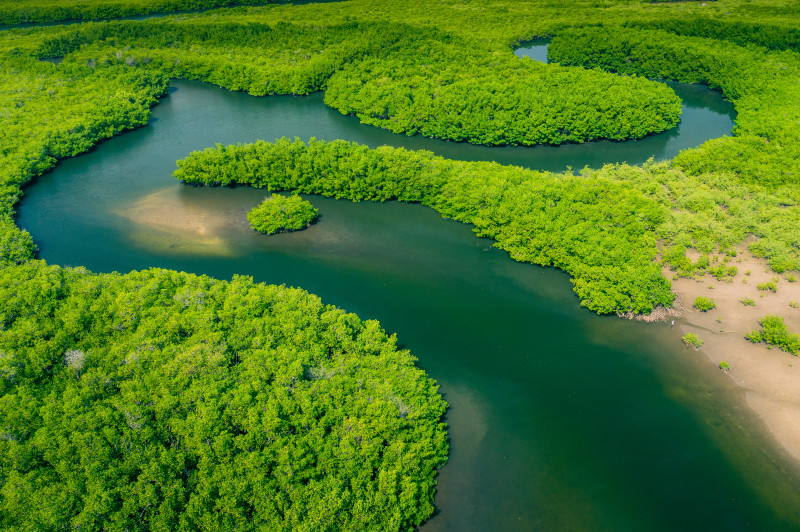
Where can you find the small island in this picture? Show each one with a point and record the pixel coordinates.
(282, 214)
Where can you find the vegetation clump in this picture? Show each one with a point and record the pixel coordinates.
(704, 304)
(747, 302)
(16, 12)
(774, 333)
(392, 75)
(692, 340)
(771, 285)
(160, 400)
(278, 214)
(595, 229)
(449, 90)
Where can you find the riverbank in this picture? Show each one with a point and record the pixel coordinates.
(769, 376)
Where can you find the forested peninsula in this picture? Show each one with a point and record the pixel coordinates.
(163, 400)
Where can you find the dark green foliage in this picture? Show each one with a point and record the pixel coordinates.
(278, 214)
(160, 400)
(774, 332)
(600, 232)
(704, 304)
(450, 89)
(19, 11)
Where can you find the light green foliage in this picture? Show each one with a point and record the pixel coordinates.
(279, 213)
(597, 230)
(20, 11)
(736, 185)
(747, 302)
(49, 113)
(724, 366)
(774, 332)
(762, 84)
(704, 304)
(794, 304)
(279, 50)
(772, 286)
(277, 58)
(723, 272)
(692, 340)
(160, 400)
(734, 211)
(395, 76)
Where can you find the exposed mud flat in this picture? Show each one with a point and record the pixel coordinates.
(769, 376)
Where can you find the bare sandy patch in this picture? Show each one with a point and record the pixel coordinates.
(769, 376)
(167, 222)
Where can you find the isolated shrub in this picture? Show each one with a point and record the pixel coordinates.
(704, 304)
(772, 286)
(692, 340)
(278, 214)
(774, 332)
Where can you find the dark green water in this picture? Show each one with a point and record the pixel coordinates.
(559, 419)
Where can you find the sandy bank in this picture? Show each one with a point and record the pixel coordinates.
(769, 376)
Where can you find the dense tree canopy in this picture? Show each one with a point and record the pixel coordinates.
(599, 231)
(22, 11)
(277, 214)
(160, 400)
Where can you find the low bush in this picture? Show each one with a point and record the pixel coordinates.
(692, 340)
(774, 332)
(704, 304)
(772, 286)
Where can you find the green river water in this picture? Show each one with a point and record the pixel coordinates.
(559, 419)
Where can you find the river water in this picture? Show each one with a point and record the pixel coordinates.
(560, 419)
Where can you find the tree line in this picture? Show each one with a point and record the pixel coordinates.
(601, 232)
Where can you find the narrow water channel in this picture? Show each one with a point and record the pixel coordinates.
(559, 419)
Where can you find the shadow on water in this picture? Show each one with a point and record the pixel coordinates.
(559, 419)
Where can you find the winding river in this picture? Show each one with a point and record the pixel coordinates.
(560, 419)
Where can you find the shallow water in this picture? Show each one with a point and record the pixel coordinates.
(559, 419)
